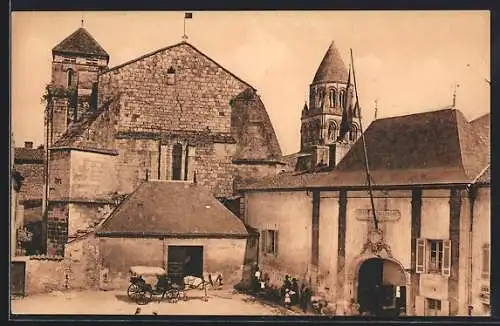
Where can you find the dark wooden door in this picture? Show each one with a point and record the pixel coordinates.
(185, 260)
(18, 273)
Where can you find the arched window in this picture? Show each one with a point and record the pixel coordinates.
(176, 162)
(71, 75)
(353, 134)
(332, 130)
(342, 98)
(333, 97)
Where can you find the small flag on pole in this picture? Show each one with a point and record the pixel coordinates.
(188, 15)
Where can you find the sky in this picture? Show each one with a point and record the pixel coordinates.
(407, 61)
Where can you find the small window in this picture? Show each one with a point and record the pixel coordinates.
(353, 133)
(433, 307)
(57, 181)
(333, 97)
(342, 98)
(170, 76)
(435, 256)
(485, 266)
(221, 113)
(269, 241)
(71, 76)
(177, 162)
(332, 131)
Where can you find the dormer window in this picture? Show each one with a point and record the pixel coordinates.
(170, 76)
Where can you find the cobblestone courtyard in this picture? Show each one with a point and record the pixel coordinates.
(220, 302)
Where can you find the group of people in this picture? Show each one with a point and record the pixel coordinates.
(290, 294)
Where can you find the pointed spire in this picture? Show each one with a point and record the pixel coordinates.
(332, 67)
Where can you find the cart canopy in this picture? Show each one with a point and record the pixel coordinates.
(147, 270)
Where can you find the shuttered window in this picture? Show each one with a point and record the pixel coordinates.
(269, 242)
(420, 266)
(485, 266)
(433, 256)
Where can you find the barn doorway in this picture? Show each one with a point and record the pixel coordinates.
(185, 260)
(381, 288)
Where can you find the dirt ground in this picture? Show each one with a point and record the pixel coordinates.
(220, 302)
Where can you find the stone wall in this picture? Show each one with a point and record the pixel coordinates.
(198, 99)
(57, 227)
(93, 175)
(248, 173)
(79, 270)
(59, 174)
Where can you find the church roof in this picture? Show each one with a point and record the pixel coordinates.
(430, 148)
(172, 208)
(80, 42)
(332, 67)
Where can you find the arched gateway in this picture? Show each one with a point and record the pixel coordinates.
(379, 285)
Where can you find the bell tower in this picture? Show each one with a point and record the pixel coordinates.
(320, 121)
(76, 63)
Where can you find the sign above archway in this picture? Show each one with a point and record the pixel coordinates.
(383, 215)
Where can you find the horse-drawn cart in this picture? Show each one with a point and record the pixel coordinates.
(173, 290)
(142, 292)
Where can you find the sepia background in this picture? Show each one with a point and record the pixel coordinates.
(408, 61)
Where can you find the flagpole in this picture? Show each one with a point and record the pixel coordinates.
(367, 169)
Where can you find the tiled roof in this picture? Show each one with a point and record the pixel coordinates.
(485, 177)
(172, 208)
(332, 67)
(29, 155)
(438, 147)
(76, 137)
(80, 42)
(75, 130)
(252, 128)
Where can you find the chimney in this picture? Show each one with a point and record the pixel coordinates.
(28, 144)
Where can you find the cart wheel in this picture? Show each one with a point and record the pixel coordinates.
(133, 291)
(143, 297)
(173, 295)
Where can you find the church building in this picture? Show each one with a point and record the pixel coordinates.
(168, 124)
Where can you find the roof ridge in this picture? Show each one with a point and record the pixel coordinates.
(443, 108)
(168, 48)
(107, 219)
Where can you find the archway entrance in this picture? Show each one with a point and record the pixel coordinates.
(381, 288)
